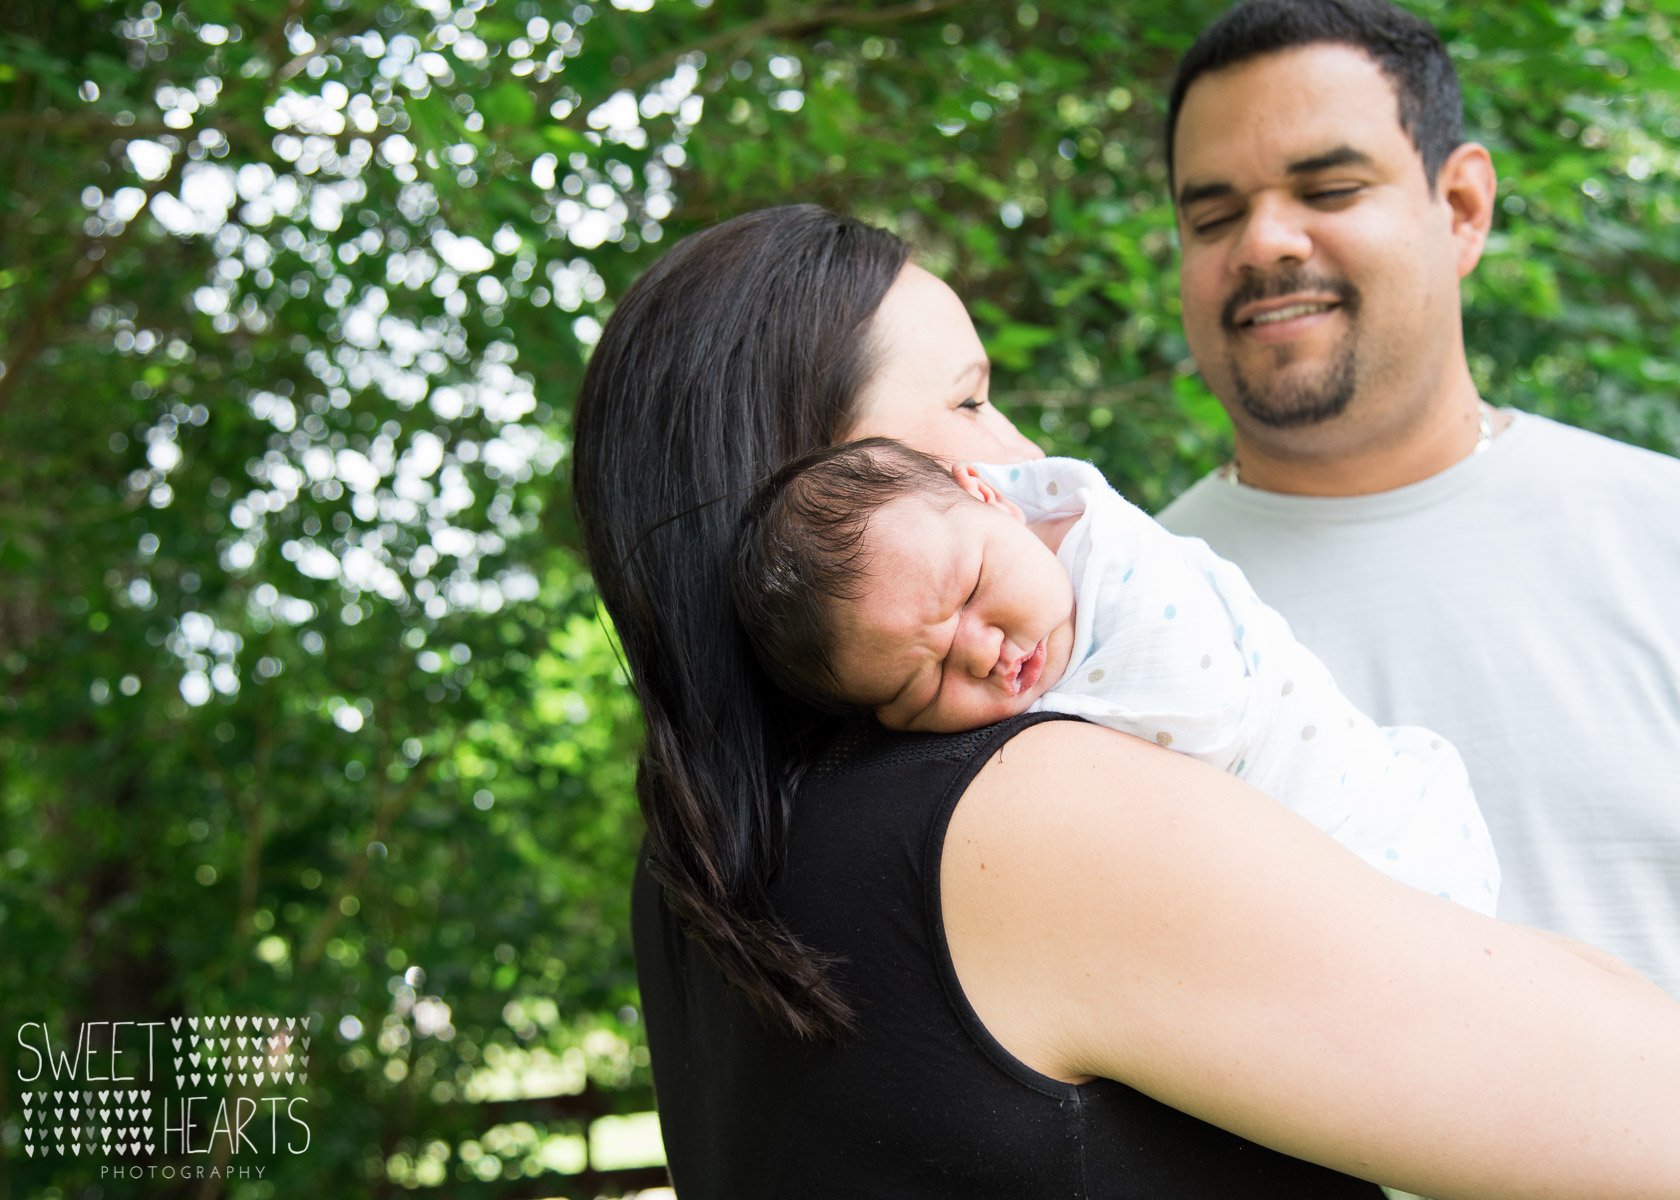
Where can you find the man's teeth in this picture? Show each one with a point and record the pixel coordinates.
(1289, 314)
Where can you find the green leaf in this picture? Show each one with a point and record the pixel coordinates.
(1011, 345)
(508, 103)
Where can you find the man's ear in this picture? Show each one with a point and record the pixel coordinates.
(1469, 185)
(969, 480)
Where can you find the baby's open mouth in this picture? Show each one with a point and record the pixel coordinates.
(1027, 673)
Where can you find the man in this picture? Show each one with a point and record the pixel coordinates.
(1508, 581)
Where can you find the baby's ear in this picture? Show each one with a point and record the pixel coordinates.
(971, 482)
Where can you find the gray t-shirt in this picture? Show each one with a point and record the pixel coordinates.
(1524, 602)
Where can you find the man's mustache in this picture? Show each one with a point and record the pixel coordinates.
(1283, 283)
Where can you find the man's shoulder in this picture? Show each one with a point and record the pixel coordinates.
(1203, 506)
(1537, 457)
(1579, 452)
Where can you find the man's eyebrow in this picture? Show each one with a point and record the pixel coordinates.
(1341, 156)
(1191, 193)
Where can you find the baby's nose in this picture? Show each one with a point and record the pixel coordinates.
(982, 651)
(1008, 660)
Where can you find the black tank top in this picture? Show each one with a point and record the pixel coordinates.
(921, 1101)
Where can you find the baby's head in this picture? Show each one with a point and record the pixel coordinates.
(870, 577)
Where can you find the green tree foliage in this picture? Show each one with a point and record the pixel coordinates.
(306, 706)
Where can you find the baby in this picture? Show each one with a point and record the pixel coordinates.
(872, 578)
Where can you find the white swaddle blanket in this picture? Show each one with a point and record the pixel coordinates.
(1171, 644)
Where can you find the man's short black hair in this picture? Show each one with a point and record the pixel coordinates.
(1405, 47)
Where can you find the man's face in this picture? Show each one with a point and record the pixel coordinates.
(1319, 272)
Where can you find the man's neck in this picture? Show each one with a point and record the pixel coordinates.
(1391, 459)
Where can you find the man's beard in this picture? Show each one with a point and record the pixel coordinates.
(1306, 401)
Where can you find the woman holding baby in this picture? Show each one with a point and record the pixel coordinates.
(1040, 958)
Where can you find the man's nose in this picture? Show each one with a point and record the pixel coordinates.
(1273, 231)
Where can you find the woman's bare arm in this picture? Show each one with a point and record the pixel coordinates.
(1602, 959)
(1116, 909)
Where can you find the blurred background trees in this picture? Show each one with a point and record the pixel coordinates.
(305, 703)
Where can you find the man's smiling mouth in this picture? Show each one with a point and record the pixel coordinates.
(1290, 312)
(1290, 295)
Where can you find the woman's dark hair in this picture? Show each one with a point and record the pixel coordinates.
(747, 344)
(1405, 47)
(801, 549)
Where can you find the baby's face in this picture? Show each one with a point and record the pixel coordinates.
(968, 616)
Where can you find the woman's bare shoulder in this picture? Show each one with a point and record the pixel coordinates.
(1117, 909)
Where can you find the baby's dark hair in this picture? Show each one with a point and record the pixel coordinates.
(799, 550)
